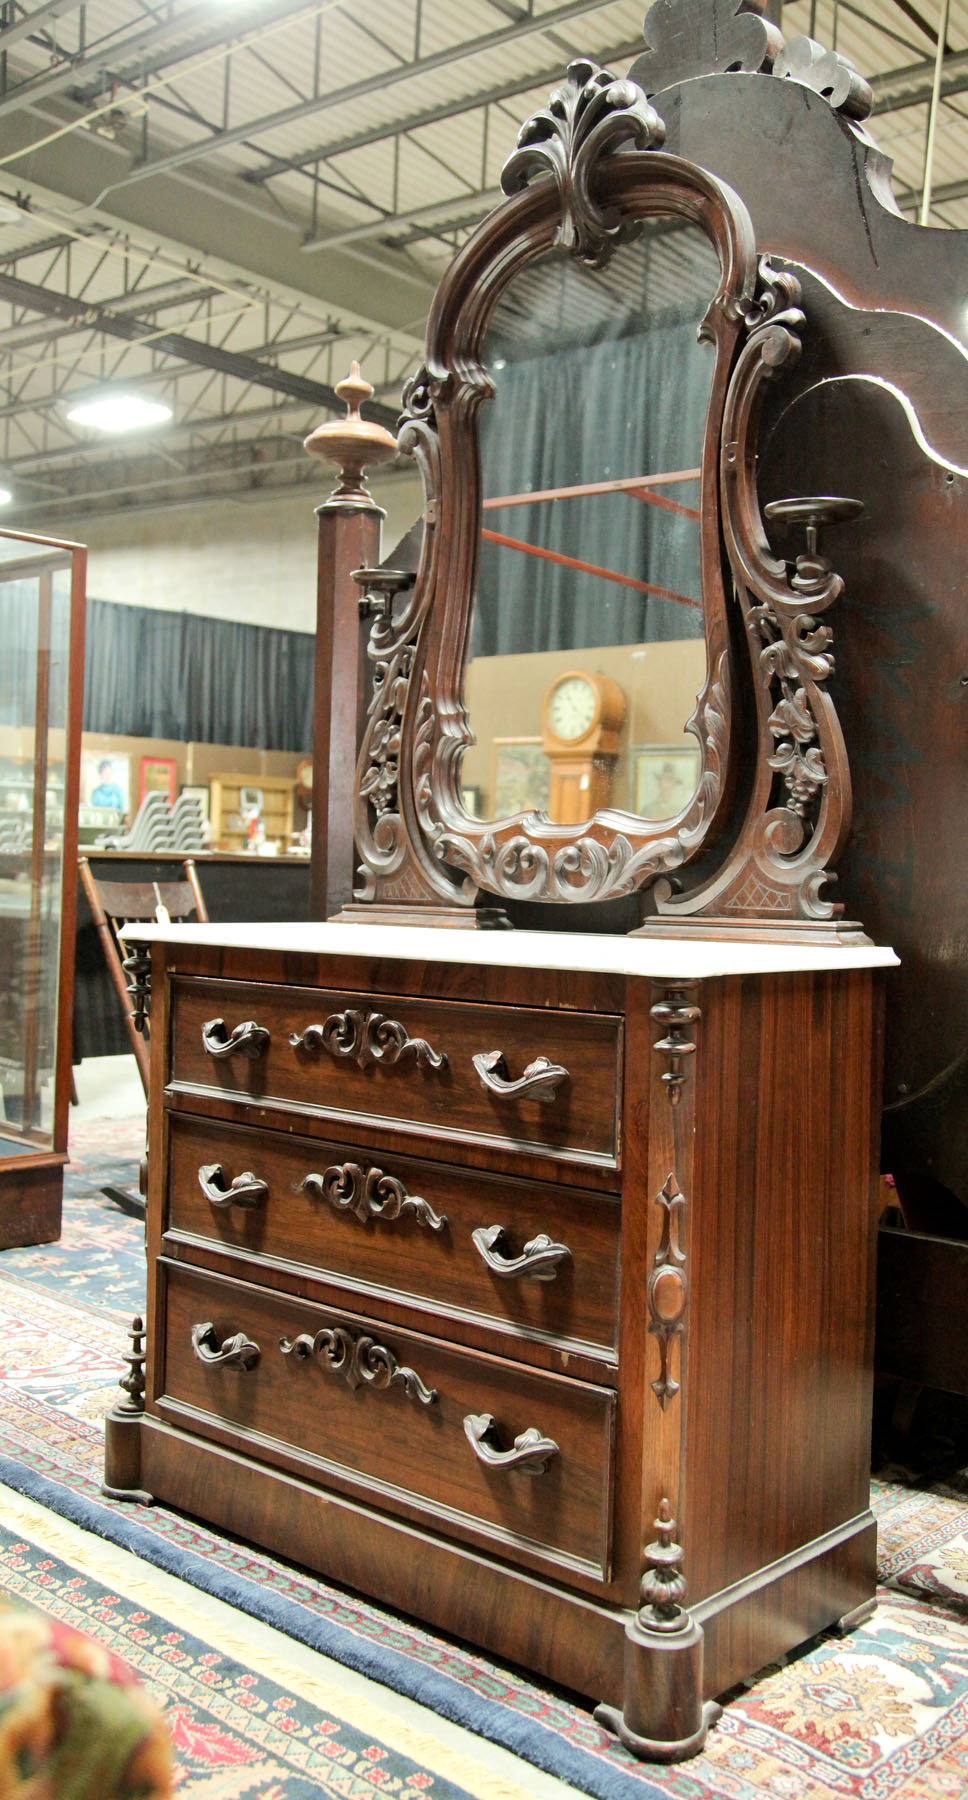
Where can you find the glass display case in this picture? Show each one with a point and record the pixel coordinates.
(42, 589)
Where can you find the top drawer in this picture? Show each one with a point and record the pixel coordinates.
(505, 1074)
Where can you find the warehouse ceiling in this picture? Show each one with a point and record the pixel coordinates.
(224, 202)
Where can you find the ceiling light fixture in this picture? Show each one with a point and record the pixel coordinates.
(6, 495)
(118, 411)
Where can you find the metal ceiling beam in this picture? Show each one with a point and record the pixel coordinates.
(390, 223)
(131, 66)
(196, 215)
(898, 89)
(171, 343)
(357, 90)
(28, 24)
(431, 115)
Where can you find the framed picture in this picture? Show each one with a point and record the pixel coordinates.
(106, 781)
(520, 777)
(201, 794)
(157, 776)
(665, 777)
(471, 797)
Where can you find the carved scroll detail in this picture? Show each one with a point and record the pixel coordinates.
(676, 1013)
(360, 1360)
(594, 114)
(666, 1291)
(831, 75)
(704, 37)
(368, 1038)
(370, 1194)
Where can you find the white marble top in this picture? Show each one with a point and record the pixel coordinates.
(693, 958)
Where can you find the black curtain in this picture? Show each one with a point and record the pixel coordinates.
(175, 675)
(627, 406)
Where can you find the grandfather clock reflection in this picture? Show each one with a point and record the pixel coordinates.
(581, 715)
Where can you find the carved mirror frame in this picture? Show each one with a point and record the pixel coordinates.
(587, 171)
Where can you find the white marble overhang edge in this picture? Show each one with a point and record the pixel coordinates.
(686, 959)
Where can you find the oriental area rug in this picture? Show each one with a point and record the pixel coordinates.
(280, 1687)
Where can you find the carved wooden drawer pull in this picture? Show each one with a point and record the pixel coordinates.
(237, 1352)
(368, 1038)
(530, 1452)
(248, 1039)
(245, 1190)
(540, 1081)
(361, 1361)
(540, 1259)
(370, 1194)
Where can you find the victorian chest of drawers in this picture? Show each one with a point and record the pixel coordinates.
(522, 1281)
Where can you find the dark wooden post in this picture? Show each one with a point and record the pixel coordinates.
(349, 538)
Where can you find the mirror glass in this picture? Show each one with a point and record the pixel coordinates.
(587, 649)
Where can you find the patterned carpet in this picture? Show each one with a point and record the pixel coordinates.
(882, 1715)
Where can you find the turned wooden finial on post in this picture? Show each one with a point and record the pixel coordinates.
(353, 443)
(349, 538)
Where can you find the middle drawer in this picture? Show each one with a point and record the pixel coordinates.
(543, 1259)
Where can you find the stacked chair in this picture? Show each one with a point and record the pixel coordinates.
(159, 828)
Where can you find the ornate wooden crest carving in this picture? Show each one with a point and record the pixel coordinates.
(685, 39)
(587, 171)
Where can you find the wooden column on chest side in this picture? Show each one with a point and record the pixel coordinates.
(776, 1371)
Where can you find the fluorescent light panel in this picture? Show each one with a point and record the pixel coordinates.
(118, 411)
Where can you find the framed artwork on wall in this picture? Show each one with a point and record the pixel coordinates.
(106, 780)
(665, 777)
(157, 776)
(520, 776)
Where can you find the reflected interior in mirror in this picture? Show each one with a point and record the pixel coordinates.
(587, 649)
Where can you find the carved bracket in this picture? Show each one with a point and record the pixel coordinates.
(666, 1291)
(360, 1360)
(370, 1194)
(367, 1038)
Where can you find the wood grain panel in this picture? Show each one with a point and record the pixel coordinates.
(426, 1248)
(390, 1443)
(581, 1116)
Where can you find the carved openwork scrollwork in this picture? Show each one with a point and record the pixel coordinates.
(360, 1360)
(418, 844)
(369, 1038)
(798, 813)
(370, 1194)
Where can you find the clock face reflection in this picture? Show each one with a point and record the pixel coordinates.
(571, 709)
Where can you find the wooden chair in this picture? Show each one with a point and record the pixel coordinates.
(114, 904)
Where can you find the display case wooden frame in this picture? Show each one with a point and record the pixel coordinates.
(42, 872)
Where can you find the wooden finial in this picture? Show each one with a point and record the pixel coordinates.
(353, 444)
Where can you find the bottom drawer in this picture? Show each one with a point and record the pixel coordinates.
(400, 1417)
